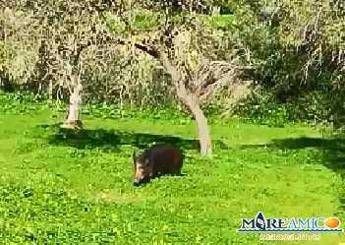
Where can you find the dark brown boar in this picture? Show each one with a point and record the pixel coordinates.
(156, 161)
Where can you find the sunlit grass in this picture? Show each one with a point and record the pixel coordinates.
(58, 189)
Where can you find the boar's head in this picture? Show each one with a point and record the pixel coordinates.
(143, 169)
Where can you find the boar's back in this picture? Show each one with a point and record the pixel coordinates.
(165, 159)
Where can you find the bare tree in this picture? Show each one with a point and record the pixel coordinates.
(200, 86)
(195, 71)
(65, 31)
(69, 34)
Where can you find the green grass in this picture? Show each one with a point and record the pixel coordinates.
(220, 21)
(60, 187)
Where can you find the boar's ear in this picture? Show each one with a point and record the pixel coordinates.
(134, 156)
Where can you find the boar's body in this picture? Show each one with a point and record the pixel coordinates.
(157, 160)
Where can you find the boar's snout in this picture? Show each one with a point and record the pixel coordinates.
(136, 183)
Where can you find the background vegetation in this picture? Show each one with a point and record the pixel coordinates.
(296, 50)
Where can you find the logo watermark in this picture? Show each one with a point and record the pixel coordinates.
(290, 228)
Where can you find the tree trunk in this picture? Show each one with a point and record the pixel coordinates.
(215, 10)
(73, 118)
(192, 103)
(203, 130)
(50, 90)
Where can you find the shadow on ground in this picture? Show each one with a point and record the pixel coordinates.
(113, 139)
(332, 149)
(332, 152)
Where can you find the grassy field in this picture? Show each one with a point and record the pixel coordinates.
(59, 187)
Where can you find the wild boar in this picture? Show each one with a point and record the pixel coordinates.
(156, 161)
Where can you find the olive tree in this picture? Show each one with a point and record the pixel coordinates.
(72, 27)
(65, 31)
(188, 51)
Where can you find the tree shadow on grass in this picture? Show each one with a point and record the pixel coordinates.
(113, 139)
(332, 149)
(332, 152)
